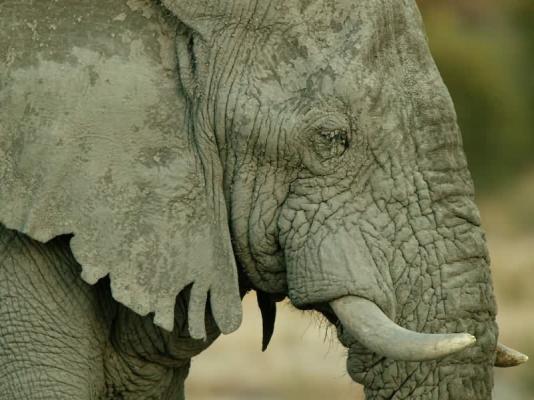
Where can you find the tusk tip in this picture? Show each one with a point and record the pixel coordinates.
(455, 342)
(507, 357)
(471, 339)
(463, 340)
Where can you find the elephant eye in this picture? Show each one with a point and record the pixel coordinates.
(331, 143)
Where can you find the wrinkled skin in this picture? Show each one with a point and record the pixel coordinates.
(63, 339)
(384, 210)
(344, 174)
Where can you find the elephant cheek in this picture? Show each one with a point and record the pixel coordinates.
(329, 266)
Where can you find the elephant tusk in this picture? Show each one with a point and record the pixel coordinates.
(367, 323)
(507, 357)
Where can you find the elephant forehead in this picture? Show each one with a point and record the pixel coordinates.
(328, 47)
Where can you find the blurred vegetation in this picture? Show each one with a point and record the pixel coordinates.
(485, 52)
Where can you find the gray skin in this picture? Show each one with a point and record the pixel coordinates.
(302, 148)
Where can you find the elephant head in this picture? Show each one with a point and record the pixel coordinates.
(312, 149)
(348, 189)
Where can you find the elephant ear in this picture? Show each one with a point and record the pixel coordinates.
(96, 141)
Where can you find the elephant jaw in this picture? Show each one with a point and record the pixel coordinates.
(368, 324)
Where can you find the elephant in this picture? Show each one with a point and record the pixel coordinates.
(160, 159)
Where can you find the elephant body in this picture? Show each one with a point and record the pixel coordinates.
(159, 159)
(69, 340)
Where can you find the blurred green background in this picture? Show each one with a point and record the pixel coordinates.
(485, 51)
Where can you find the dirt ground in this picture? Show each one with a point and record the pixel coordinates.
(304, 360)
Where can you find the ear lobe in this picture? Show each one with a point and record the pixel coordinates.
(217, 253)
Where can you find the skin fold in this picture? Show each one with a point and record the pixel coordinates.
(73, 341)
(306, 149)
